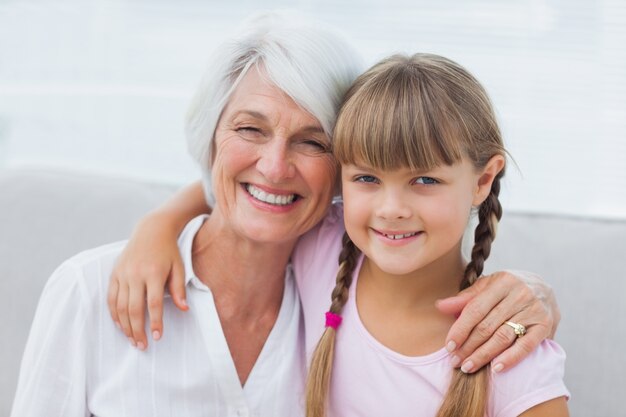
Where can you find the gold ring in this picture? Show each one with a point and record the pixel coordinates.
(519, 329)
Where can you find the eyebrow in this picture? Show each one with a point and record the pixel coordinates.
(255, 114)
(263, 117)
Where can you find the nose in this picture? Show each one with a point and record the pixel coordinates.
(275, 161)
(393, 205)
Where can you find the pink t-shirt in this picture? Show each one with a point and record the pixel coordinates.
(371, 379)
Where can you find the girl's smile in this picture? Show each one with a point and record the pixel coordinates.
(396, 238)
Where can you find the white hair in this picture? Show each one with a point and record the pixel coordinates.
(313, 65)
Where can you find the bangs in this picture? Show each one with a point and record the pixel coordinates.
(396, 116)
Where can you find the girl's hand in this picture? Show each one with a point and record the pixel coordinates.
(480, 335)
(150, 260)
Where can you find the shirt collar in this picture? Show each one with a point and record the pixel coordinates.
(185, 243)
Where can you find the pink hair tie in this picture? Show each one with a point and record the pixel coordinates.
(333, 320)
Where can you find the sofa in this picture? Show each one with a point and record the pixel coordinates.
(47, 216)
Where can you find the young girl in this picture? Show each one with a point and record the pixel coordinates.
(420, 150)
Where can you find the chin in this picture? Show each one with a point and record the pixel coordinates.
(398, 267)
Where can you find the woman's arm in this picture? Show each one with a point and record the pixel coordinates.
(480, 335)
(150, 260)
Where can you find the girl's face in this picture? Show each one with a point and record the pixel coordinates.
(404, 220)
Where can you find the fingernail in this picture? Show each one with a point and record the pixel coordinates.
(451, 346)
(184, 303)
(497, 367)
(455, 361)
(156, 335)
(141, 346)
(132, 341)
(467, 367)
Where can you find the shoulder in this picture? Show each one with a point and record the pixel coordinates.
(535, 380)
(85, 274)
(321, 241)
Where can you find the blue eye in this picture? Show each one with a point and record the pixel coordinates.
(366, 179)
(426, 181)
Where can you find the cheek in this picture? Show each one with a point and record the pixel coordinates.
(232, 154)
(230, 159)
(356, 211)
(453, 214)
(321, 175)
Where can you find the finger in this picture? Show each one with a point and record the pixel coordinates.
(486, 329)
(454, 305)
(501, 339)
(112, 300)
(155, 310)
(122, 312)
(521, 348)
(474, 313)
(176, 286)
(136, 312)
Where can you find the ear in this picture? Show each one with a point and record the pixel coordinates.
(486, 177)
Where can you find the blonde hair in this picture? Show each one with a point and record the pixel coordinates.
(434, 112)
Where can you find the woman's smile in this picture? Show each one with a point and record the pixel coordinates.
(271, 197)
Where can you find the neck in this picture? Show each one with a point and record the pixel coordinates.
(399, 310)
(245, 277)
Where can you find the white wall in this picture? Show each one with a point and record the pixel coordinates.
(103, 85)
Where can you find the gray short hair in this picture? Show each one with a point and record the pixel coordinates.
(312, 64)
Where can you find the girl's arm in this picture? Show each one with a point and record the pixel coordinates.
(480, 336)
(150, 260)
(553, 408)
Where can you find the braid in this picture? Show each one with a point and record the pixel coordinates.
(318, 381)
(347, 263)
(467, 392)
(489, 214)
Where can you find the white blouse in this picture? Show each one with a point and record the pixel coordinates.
(77, 363)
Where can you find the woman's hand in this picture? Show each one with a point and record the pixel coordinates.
(150, 260)
(480, 335)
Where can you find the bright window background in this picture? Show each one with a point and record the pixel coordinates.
(102, 86)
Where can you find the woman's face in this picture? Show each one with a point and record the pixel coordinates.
(273, 172)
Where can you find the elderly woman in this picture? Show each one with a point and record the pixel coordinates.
(260, 126)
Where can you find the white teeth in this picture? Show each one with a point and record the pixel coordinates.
(276, 199)
(395, 237)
